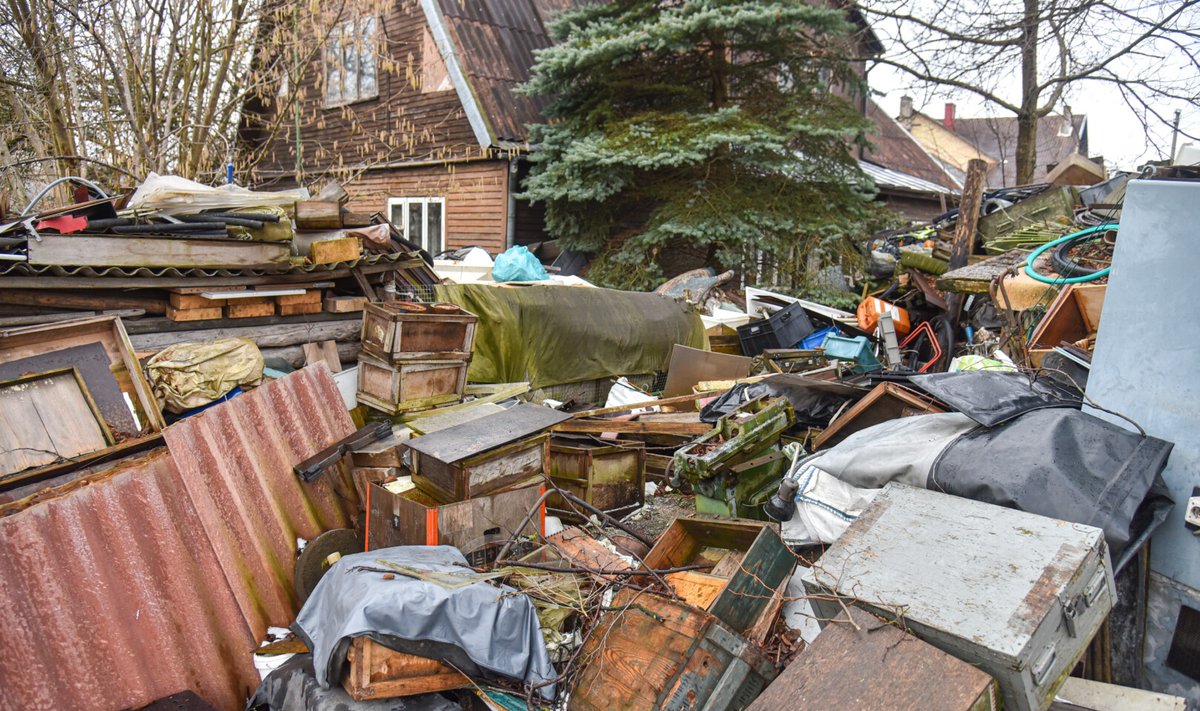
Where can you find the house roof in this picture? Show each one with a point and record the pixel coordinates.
(1058, 137)
(488, 49)
(888, 179)
(896, 150)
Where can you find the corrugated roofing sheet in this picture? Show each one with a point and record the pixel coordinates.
(25, 268)
(895, 149)
(887, 178)
(162, 573)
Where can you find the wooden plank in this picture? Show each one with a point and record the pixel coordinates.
(966, 228)
(94, 299)
(696, 588)
(46, 418)
(313, 296)
(377, 672)
(621, 427)
(344, 304)
(266, 307)
(615, 409)
(977, 278)
(325, 351)
(204, 314)
(95, 251)
(460, 442)
(92, 363)
(332, 251)
(299, 309)
(266, 335)
(318, 215)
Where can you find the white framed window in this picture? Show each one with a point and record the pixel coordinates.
(350, 62)
(421, 219)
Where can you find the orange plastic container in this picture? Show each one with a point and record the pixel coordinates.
(870, 309)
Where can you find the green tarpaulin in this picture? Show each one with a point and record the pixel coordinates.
(551, 335)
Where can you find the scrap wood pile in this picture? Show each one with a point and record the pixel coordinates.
(831, 516)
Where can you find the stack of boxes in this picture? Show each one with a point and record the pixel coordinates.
(414, 356)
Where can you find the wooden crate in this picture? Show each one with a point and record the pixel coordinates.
(399, 330)
(610, 477)
(749, 562)
(886, 401)
(654, 653)
(375, 672)
(413, 518)
(1073, 316)
(876, 666)
(410, 386)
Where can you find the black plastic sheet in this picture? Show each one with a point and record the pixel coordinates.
(992, 398)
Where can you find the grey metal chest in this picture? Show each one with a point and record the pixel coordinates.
(1017, 594)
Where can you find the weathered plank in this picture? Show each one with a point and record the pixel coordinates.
(270, 336)
(95, 251)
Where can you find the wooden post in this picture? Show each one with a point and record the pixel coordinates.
(966, 228)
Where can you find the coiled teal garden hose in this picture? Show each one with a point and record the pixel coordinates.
(1052, 244)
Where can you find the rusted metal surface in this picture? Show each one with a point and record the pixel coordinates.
(161, 573)
(111, 598)
(236, 462)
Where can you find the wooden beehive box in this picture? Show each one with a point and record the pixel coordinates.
(410, 385)
(1073, 316)
(413, 518)
(611, 477)
(749, 562)
(653, 653)
(400, 330)
(375, 672)
(501, 451)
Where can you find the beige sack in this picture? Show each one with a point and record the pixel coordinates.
(187, 375)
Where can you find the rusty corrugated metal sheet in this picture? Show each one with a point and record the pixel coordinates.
(161, 574)
(107, 599)
(236, 461)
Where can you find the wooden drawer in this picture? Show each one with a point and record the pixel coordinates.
(410, 385)
(512, 465)
(610, 477)
(399, 330)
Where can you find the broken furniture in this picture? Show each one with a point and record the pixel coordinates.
(375, 672)
(503, 451)
(745, 561)
(1072, 318)
(610, 476)
(1016, 594)
(863, 663)
(736, 467)
(886, 401)
(649, 652)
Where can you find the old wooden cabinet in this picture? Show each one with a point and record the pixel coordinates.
(413, 518)
(651, 652)
(501, 451)
(399, 330)
(410, 385)
(863, 663)
(611, 477)
(1018, 595)
(749, 562)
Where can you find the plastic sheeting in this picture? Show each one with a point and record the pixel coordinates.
(293, 687)
(825, 508)
(991, 398)
(814, 402)
(189, 375)
(480, 628)
(174, 195)
(901, 450)
(551, 335)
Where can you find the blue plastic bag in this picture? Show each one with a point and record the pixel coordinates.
(518, 264)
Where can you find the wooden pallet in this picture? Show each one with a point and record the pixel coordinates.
(375, 672)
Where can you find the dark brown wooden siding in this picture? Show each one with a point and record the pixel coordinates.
(476, 196)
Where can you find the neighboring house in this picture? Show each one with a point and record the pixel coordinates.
(954, 141)
(910, 180)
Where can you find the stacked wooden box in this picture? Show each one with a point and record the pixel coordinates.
(205, 303)
(414, 356)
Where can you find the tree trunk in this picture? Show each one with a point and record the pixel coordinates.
(1027, 118)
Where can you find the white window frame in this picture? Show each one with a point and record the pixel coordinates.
(422, 239)
(359, 37)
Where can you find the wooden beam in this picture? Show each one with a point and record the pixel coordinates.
(966, 228)
(690, 429)
(93, 300)
(91, 251)
(290, 334)
(617, 409)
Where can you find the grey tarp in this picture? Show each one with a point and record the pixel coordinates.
(550, 335)
(901, 450)
(293, 687)
(481, 628)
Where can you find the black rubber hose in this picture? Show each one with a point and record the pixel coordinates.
(1061, 257)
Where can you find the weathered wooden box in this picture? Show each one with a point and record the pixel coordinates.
(410, 385)
(611, 477)
(494, 453)
(1073, 316)
(656, 653)
(374, 671)
(886, 401)
(413, 518)
(399, 330)
(1018, 595)
(749, 562)
(863, 663)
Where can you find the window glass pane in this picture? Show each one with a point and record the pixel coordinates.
(433, 226)
(366, 63)
(350, 72)
(396, 215)
(413, 232)
(333, 77)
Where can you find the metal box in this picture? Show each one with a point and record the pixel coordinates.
(398, 330)
(652, 653)
(611, 477)
(410, 385)
(1016, 594)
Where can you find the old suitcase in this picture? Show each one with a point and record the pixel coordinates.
(501, 451)
(1016, 594)
(398, 330)
(872, 665)
(656, 653)
(375, 672)
(410, 385)
(749, 561)
(473, 526)
(611, 477)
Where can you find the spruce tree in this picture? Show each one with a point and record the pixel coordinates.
(707, 125)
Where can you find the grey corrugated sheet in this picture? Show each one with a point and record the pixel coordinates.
(888, 178)
(161, 574)
(25, 268)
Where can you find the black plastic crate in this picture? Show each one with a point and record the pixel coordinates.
(782, 329)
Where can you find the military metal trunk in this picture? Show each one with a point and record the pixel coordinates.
(1016, 594)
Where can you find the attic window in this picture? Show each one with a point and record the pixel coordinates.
(434, 76)
(350, 62)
